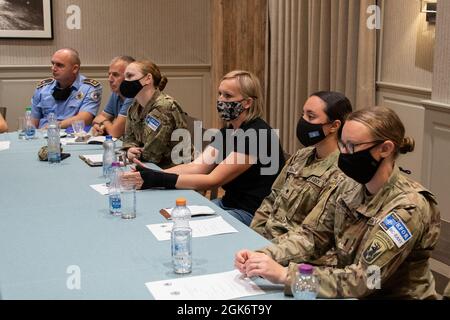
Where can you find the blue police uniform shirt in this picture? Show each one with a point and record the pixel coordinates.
(117, 106)
(86, 96)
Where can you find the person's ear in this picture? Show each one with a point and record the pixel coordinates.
(247, 103)
(75, 68)
(335, 125)
(148, 79)
(387, 148)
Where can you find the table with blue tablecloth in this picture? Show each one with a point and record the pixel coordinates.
(54, 226)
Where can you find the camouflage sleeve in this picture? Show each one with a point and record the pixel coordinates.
(262, 214)
(447, 292)
(129, 139)
(314, 237)
(158, 132)
(381, 256)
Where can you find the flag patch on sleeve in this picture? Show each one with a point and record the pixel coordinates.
(153, 123)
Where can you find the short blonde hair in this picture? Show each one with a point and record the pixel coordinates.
(249, 87)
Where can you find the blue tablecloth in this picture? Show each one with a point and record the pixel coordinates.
(51, 220)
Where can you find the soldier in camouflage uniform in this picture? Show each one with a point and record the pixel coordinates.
(447, 292)
(152, 117)
(383, 225)
(311, 171)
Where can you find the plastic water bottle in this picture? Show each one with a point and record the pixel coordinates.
(109, 157)
(305, 286)
(181, 213)
(115, 204)
(30, 130)
(182, 249)
(181, 238)
(53, 142)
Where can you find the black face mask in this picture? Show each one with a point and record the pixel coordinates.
(308, 133)
(360, 166)
(130, 89)
(61, 94)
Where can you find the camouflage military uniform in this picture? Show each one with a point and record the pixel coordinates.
(295, 192)
(151, 128)
(394, 230)
(447, 292)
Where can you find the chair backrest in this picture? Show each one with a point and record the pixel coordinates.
(3, 112)
(190, 126)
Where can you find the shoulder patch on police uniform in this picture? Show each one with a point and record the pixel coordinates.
(153, 123)
(80, 95)
(396, 229)
(95, 95)
(44, 82)
(317, 181)
(92, 82)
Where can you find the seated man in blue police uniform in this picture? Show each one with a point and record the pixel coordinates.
(69, 95)
(112, 119)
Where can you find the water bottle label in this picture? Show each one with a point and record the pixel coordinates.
(114, 202)
(30, 132)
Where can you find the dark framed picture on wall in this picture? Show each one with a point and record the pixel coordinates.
(28, 19)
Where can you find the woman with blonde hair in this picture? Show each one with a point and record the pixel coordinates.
(244, 158)
(152, 117)
(383, 225)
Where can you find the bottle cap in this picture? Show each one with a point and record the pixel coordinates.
(181, 202)
(108, 137)
(305, 268)
(115, 164)
(28, 109)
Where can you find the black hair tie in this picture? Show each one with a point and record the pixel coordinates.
(405, 170)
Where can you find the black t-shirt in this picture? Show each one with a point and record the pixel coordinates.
(255, 138)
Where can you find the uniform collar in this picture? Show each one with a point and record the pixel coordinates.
(150, 104)
(371, 205)
(75, 85)
(318, 167)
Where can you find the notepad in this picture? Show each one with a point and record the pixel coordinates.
(196, 211)
(94, 160)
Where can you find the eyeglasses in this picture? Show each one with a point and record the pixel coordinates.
(350, 147)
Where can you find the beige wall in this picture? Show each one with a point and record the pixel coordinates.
(437, 122)
(167, 31)
(407, 45)
(413, 80)
(176, 34)
(405, 71)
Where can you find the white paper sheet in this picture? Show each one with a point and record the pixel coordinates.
(200, 228)
(100, 188)
(219, 286)
(196, 211)
(4, 145)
